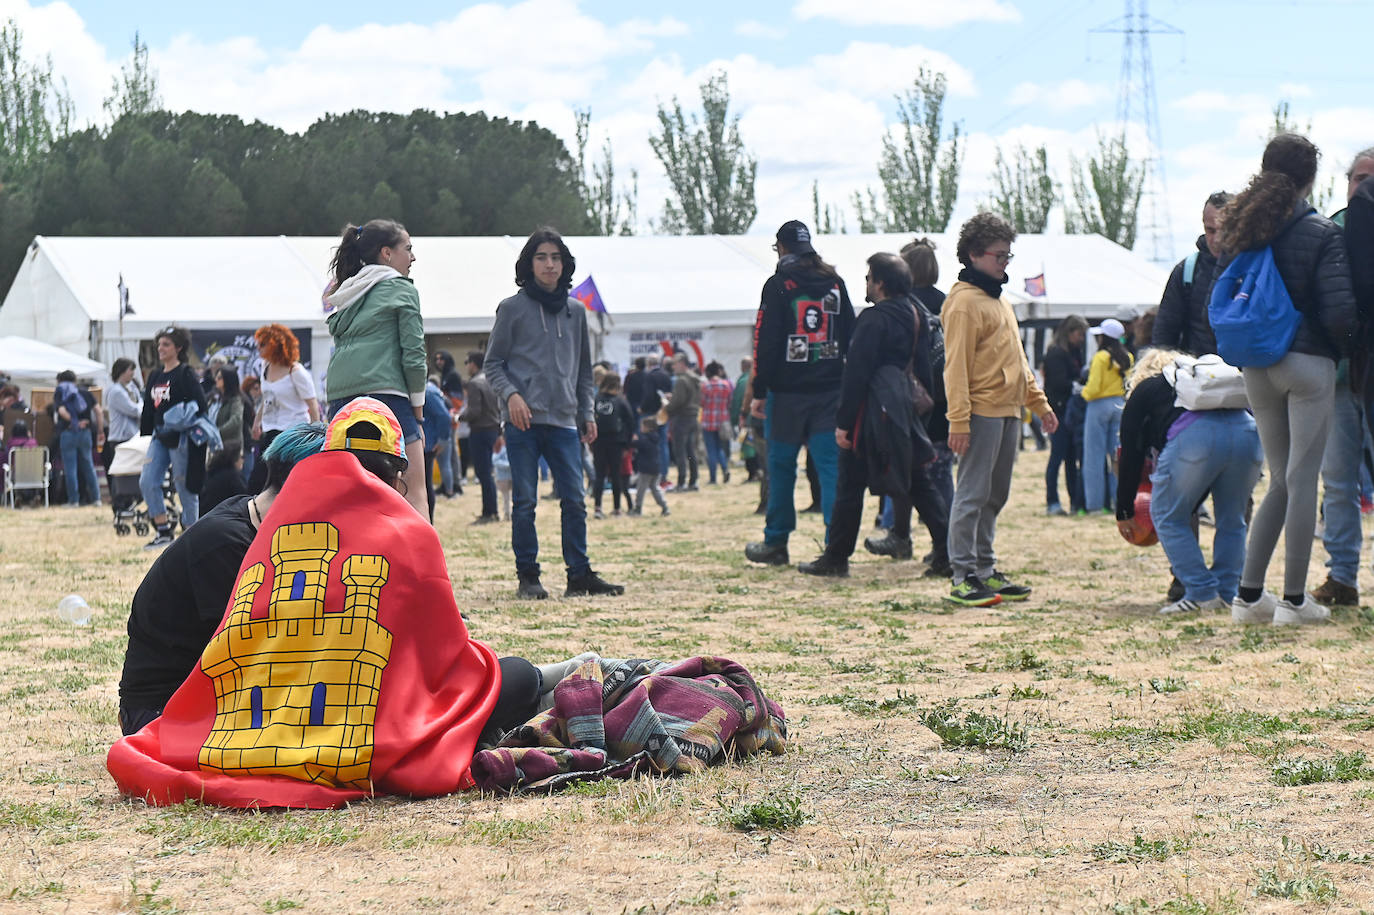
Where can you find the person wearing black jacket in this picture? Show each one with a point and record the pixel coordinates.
(657, 384)
(1200, 452)
(801, 336)
(173, 383)
(615, 427)
(1062, 367)
(878, 433)
(1182, 322)
(1292, 399)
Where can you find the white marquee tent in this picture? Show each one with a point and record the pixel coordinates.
(702, 288)
(31, 363)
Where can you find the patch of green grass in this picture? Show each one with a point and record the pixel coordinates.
(1027, 692)
(1343, 767)
(1168, 684)
(1187, 904)
(868, 708)
(52, 887)
(501, 830)
(189, 826)
(776, 811)
(1025, 659)
(1305, 886)
(149, 902)
(851, 667)
(1138, 849)
(57, 822)
(937, 607)
(974, 730)
(273, 906)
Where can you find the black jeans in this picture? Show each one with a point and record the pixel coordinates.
(607, 454)
(929, 502)
(1062, 452)
(480, 443)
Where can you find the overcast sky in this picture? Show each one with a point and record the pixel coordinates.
(814, 80)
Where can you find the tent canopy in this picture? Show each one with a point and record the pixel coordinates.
(31, 362)
(67, 291)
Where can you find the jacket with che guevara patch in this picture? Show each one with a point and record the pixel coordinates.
(802, 330)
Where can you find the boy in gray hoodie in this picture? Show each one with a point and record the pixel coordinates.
(538, 363)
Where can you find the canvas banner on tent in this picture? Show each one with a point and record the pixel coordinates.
(239, 347)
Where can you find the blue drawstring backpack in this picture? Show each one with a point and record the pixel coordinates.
(1251, 312)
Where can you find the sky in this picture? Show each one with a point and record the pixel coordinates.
(813, 81)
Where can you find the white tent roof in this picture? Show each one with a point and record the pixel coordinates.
(66, 292)
(30, 362)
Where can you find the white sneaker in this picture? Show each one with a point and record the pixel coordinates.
(1258, 611)
(1184, 605)
(1309, 611)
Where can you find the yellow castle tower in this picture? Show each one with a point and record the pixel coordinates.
(296, 691)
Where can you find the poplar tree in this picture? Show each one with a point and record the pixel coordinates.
(1025, 191)
(1106, 193)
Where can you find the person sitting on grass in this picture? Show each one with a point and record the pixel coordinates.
(182, 597)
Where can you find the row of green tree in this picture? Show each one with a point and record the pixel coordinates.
(154, 172)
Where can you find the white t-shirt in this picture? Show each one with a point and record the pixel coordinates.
(283, 400)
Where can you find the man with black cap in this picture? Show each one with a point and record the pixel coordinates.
(801, 335)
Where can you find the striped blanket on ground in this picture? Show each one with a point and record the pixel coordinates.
(617, 718)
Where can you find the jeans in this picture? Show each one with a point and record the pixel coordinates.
(1062, 452)
(1102, 434)
(664, 455)
(717, 452)
(1219, 453)
(1342, 535)
(781, 518)
(443, 455)
(562, 450)
(78, 464)
(150, 481)
(480, 443)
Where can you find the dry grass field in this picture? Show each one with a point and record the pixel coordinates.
(1073, 753)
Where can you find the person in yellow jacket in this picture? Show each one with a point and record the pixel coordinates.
(987, 382)
(1105, 395)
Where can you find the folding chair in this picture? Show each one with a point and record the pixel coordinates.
(28, 468)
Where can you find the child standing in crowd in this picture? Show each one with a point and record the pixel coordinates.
(1105, 395)
(614, 431)
(647, 466)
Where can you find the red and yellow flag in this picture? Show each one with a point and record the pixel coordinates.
(341, 670)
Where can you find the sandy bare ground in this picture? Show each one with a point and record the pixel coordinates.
(1149, 779)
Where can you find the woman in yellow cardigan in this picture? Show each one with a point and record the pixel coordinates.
(1105, 394)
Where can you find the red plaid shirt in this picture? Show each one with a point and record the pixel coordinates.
(715, 403)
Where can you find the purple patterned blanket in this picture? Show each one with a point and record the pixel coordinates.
(616, 718)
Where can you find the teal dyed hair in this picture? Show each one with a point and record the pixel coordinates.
(290, 448)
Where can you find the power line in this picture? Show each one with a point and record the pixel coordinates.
(1137, 88)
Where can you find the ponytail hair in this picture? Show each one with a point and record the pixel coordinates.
(362, 245)
(1118, 353)
(1253, 216)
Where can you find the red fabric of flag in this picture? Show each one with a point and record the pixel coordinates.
(342, 668)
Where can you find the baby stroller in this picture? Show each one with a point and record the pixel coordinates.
(126, 497)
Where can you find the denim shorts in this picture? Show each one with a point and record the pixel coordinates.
(405, 413)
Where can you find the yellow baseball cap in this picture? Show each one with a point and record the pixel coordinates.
(373, 412)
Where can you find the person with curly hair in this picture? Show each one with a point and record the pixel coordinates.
(379, 335)
(288, 393)
(1293, 399)
(987, 383)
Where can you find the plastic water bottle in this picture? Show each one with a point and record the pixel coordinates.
(74, 609)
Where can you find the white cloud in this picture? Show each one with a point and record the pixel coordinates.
(752, 28)
(57, 31)
(933, 14)
(1058, 97)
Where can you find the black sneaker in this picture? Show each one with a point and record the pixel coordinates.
(813, 509)
(530, 588)
(160, 540)
(591, 584)
(889, 545)
(1175, 590)
(486, 519)
(973, 593)
(1006, 587)
(825, 567)
(938, 567)
(770, 554)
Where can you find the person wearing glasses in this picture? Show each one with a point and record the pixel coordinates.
(987, 383)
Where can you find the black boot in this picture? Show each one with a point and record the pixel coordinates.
(889, 545)
(530, 588)
(825, 566)
(591, 584)
(770, 554)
